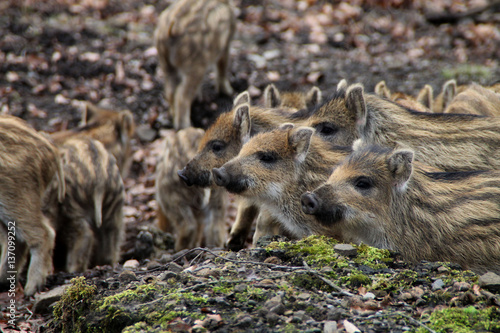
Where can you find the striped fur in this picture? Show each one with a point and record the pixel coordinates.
(449, 142)
(274, 168)
(28, 165)
(195, 215)
(475, 100)
(89, 221)
(114, 129)
(222, 141)
(191, 36)
(383, 198)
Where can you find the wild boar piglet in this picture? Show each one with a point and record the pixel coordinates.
(191, 36)
(274, 168)
(382, 197)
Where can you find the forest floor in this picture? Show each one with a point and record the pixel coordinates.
(55, 54)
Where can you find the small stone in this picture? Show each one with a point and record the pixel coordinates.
(490, 281)
(368, 296)
(174, 267)
(406, 296)
(304, 296)
(43, 301)
(153, 265)
(272, 302)
(272, 318)
(461, 286)
(167, 275)
(240, 288)
(417, 292)
(231, 256)
(273, 260)
(443, 269)
(131, 264)
(127, 276)
(334, 314)
(278, 309)
(165, 258)
(330, 327)
(438, 284)
(346, 250)
(146, 133)
(288, 313)
(244, 321)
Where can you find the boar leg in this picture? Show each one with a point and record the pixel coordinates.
(80, 249)
(190, 231)
(223, 84)
(184, 95)
(40, 240)
(242, 225)
(215, 225)
(109, 238)
(266, 226)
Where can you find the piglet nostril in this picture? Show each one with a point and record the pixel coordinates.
(221, 177)
(309, 203)
(182, 175)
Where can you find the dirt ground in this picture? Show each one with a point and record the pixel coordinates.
(55, 54)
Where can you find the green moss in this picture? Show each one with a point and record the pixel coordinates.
(69, 311)
(464, 320)
(223, 288)
(467, 73)
(316, 250)
(397, 282)
(358, 279)
(253, 293)
(143, 293)
(372, 256)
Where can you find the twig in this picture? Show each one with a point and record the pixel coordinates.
(241, 261)
(327, 281)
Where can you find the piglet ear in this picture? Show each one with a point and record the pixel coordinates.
(90, 111)
(242, 98)
(426, 96)
(382, 90)
(272, 97)
(401, 167)
(286, 126)
(314, 97)
(449, 92)
(342, 85)
(299, 139)
(241, 121)
(356, 105)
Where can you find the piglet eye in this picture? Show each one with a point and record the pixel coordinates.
(217, 146)
(363, 183)
(267, 157)
(326, 129)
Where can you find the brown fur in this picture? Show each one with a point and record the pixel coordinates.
(223, 141)
(89, 221)
(28, 164)
(194, 215)
(422, 103)
(448, 142)
(114, 129)
(475, 100)
(382, 198)
(274, 168)
(191, 36)
(291, 100)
